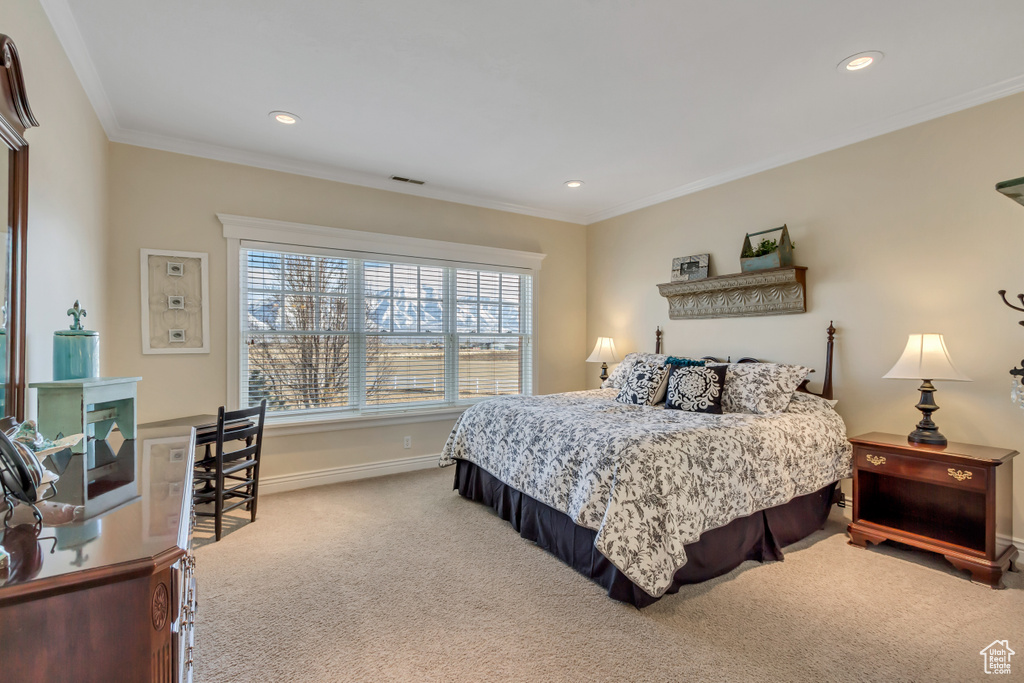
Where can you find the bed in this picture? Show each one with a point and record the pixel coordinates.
(642, 499)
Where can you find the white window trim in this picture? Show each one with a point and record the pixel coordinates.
(282, 233)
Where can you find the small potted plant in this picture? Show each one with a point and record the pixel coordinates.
(769, 253)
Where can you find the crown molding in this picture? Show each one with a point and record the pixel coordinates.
(325, 172)
(66, 28)
(893, 123)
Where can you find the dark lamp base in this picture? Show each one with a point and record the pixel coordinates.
(929, 437)
(604, 371)
(927, 431)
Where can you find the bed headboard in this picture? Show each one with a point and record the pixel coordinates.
(826, 386)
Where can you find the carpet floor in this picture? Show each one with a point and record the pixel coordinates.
(400, 579)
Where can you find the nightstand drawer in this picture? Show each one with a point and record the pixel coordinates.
(908, 467)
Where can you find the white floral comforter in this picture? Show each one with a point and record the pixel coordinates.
(651, 480)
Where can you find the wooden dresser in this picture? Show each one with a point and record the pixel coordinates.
(110, 596)
(954, 500)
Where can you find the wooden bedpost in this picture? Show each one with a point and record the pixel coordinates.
(657, 340)
(826, 387)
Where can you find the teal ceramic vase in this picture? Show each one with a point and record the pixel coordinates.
(76, 352)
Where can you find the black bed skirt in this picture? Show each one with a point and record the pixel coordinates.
(760, 536)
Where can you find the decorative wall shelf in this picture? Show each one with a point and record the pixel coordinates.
(779, 291)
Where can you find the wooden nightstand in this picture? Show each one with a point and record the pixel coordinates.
(952, 500)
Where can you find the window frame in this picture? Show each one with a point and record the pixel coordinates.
(255, 233)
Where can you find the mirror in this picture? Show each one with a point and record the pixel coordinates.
(5, 286)
(15, 117)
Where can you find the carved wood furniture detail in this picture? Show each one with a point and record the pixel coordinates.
(779, 291)
(15, 118)
(123, 608)
(953, 500)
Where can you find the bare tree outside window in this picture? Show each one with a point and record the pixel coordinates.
(303, 342)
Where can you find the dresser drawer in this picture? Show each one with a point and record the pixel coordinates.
(909, 467)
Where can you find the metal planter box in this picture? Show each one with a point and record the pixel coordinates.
(780, 258)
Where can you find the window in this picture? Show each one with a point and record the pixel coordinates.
(325, 331)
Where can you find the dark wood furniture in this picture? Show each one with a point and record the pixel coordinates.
(953, 500)
(109, 597)
(15, 117)
(234, 475)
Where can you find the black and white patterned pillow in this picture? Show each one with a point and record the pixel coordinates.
(620, 372)
(641, 386)
(760, 388)
(696, 389)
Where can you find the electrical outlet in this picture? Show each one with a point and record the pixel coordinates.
(407, 442)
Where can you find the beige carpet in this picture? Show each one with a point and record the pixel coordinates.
(400, 579)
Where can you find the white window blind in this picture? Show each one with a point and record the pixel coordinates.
(326, 332)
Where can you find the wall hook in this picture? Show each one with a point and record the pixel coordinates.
(1002, 293)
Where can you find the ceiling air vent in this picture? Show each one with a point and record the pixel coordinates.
(407, 180)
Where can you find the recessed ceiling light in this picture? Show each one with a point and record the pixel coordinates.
(573, 183)
(284, 117)
(860, 61)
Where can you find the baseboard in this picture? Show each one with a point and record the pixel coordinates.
(1019, 542)
(333, 475)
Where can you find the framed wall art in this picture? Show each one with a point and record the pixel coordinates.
(686, 268)
(175, 301)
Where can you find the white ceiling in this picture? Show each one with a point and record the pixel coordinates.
(498, 103)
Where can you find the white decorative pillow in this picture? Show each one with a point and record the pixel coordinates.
(760, 388)
(641, 387)
(625, 368)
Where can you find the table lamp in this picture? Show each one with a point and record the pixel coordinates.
(926, 359)
(604, 353)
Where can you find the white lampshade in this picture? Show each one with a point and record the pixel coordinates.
(926, 357)
(604, 351)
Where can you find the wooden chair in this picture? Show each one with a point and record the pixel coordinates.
(230, 479)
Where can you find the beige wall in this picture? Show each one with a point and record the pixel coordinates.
(170, 201)
(67, 189)
(902, 233)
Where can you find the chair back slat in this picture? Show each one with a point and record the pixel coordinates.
(246, 453)
(238, 433)
(245, 413)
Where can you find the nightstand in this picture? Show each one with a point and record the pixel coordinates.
(953, 500)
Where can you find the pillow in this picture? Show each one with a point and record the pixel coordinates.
(760, 388)
(659, 394)
(697, 389)
(625, 368)
(641, 387)
(685, 362)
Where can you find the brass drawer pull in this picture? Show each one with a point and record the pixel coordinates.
(959, 475)
(879, 460)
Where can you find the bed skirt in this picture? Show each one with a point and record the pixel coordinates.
(760, 536)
